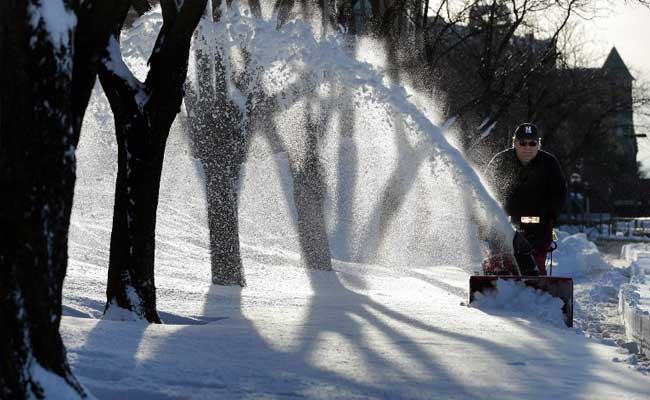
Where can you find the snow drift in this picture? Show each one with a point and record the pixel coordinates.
(577, 256)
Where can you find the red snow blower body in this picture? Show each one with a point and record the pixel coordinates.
(522, 268)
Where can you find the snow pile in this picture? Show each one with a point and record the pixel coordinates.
(515, 297)
(576, 256)
(637, 291)
(592, 233)
(605, 232)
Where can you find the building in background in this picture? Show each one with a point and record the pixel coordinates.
(594, 135)
(586, 115)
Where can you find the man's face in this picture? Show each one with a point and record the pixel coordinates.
(526, 149)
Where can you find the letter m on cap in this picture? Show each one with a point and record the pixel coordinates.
(529, 129)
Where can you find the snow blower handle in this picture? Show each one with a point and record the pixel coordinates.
(551, 249)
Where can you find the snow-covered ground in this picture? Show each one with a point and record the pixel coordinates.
(362, 331)
(390, 322)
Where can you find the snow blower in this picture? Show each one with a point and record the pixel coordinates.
(522, 268)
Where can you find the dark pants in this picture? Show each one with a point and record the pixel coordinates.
(539, 254)
(541, 239)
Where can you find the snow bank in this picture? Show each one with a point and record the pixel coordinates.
(635, 319)
(637, 291)
(576, 256)
(590, 232)
(634, 297)
(516, 297)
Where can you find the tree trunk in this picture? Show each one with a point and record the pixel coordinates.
(220, 144)
(141, 6)
(308, 186)
(37, 176)
(308, 195)
(144, 113)
(141, 148)
(222, 193)
(45, 90)
(218, 134)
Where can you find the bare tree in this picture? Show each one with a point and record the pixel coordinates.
(46, 84)
(479, 54)
(219, 132)
(220, 144)
(144, 113)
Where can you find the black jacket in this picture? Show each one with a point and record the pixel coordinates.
(537, 189)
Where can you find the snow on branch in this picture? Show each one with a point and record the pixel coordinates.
(115, 64)
(55, 18)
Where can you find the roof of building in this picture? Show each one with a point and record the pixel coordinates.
(615, 63)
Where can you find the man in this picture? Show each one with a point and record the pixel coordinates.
(529, 184)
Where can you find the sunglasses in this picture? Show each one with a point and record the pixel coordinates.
(525, 143)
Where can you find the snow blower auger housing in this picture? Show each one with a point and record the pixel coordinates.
(524, 269)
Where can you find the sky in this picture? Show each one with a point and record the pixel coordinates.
(626, 25)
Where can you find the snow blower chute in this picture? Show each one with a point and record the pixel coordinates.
(522, 268)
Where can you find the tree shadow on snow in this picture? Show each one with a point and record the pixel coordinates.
(232, 355)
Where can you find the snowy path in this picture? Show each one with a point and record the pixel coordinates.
(362, 332)
(596, 305)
